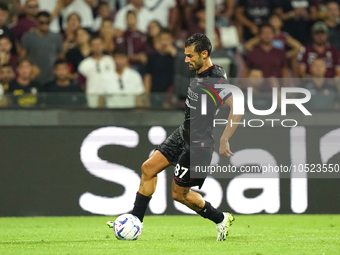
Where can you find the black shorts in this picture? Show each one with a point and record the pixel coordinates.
(185, 158)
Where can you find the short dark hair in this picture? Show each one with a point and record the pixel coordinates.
(3, 7)
(6, 65)
(95, 37)
(74, 13)
(60, 62)
(165, 31)
(131, 12)
(274, 15)
(120, 51)
(43, 14)
(22, 60)
(266, 25)
(102, 4)
(157, 22)
(5, 37)
(106, 20)
(201, 43)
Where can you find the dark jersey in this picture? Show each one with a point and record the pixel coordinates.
(202, 104)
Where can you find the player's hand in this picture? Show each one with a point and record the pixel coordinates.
(225, 149)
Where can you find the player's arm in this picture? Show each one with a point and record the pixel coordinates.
(229, 130)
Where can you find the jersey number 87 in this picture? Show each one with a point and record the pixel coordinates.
(180, 171)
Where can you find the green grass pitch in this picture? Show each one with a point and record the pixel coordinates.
(255, 234)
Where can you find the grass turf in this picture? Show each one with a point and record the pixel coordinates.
(255, 234)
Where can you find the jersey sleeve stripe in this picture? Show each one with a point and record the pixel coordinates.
(210, 95)
(215, 92)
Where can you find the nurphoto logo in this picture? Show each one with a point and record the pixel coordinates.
(238, 104)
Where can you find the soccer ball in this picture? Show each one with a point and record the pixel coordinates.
(127, 227)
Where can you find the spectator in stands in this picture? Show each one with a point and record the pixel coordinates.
(81, 51)
(13, 9)
(53, 7)
(83, 8)
(100, 73)
(184, 19)
(154, 29)
(296, 17)
(107, 32)
(130, 82)
(6, 58)
(160, 71)
(42, 47)
(103, 13)
(199, 27)
(255, 80)
(134, 42)
(317, 9)
(317, 83)
(332, 22)
(282, 41)
(271, 61)
(320, 49)
(224, 11)
(31, 9)
(73, 23)
(261, 101)
(183, 74)
(5, 53)
(327, 1)
(165, 12)
(251, 14)
(224, 58)
(6, 75)
(62, 82)
(65, 91)
(4, 30)
(323, 93)
(144, 16)
(23, 87)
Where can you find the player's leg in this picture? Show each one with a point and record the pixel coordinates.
(150, 168)
(181, 192)
(167, 152)
(195, 201)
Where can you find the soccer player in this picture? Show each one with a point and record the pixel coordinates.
(192, 142)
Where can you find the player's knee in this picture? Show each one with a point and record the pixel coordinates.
(146, 170)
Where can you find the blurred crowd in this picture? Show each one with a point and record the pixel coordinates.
(116, 53)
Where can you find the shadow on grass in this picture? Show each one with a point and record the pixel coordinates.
(142, 240)
(15, 242)
(200, 239)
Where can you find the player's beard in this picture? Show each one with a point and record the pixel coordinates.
(196, 65)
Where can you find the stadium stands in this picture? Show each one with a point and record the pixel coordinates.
(28, 29)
